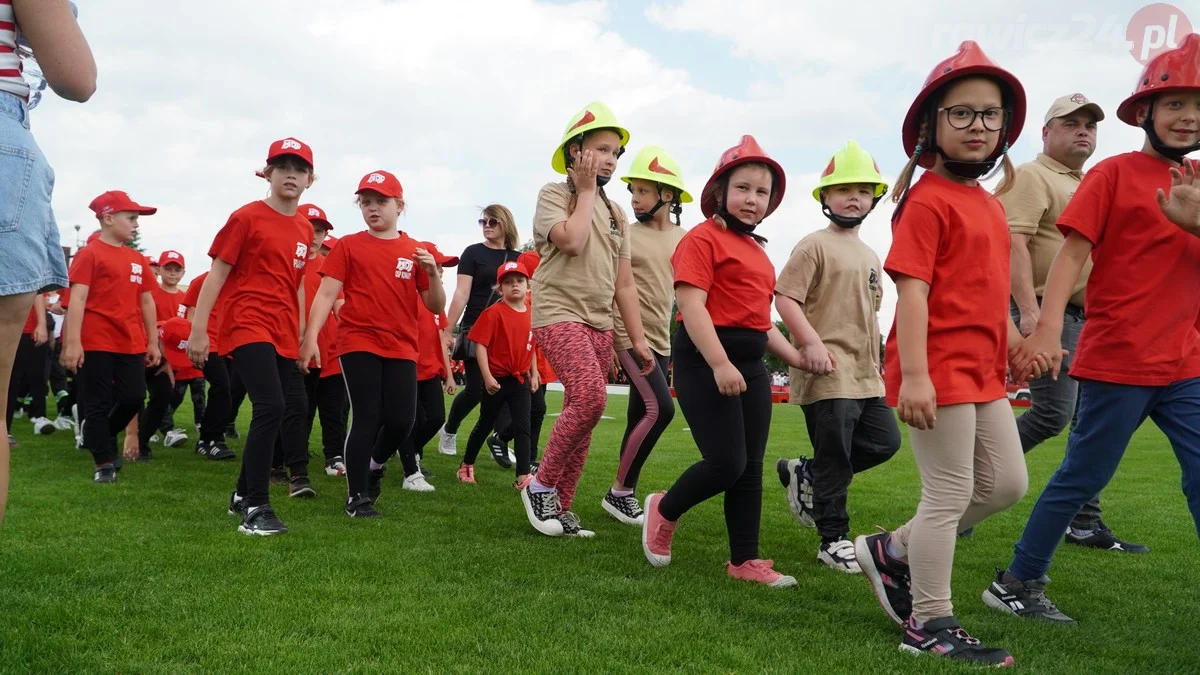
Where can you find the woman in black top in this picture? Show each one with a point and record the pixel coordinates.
(476, 276)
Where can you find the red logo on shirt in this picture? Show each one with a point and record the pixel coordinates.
(404, 268)
(135, 273)
(301, 255)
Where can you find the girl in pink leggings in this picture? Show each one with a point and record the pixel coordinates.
(583, 240)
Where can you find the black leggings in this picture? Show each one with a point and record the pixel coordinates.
(266, 376)
(291, 446)
(505, 430)
(29, 374)
(731, 433)
(516, 395)
(431, 415)
(383, 398)
(469, 397)
(182, 387)
(650, 412)
(158, 384)
(327, 396)
(237, 393)
(111, 388)
(218, 409)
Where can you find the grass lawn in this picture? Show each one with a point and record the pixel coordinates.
(150, 574)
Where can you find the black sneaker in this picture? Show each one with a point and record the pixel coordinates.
(375, 483)
(300, 487)
(237, 507)
(232, 432)
(570, 526)
(105, 473)
(796, 477)
(542, 510)
(533, 467)
(967, 533)
(499, 451)
(359, 506)
(279, 477)
(888, 576)
(261, 521)
(625, 509)
(215, 450)
(1026, 599)
(1103, 538)
(944, 637)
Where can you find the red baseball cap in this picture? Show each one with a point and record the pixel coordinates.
(329, 242)
(440, 258)
(314, 213)
(173, 335)
(92, 237)
(510, 268)
(115, 201)
(290, 146)
(531, 260)
(151, 262)
(171, 257)
(382, 182)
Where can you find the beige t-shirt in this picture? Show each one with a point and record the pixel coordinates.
(836, 278)
(577, 289)
(1041, 192)
(652, 250)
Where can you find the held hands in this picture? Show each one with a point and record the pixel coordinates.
(583, 172)
(1182, 204)
(729, 379)
(309, 353)
(197, 349)
(817, 359)
(490, 383)
(425, 260)
(918, 402)
(1036, 355)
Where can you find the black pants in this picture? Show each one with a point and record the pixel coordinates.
(848, 436)
(468, 397)
(28, 374)
(383, 399)
(182, 387)
(237, 393)
(158, 384)
(291, 446)
(218, 409)
(516, 395)
(431, 415)
(651, 409)
(505, 430)
(731, 433)
(111, 388)
(266, 375)
(327, 396)
(57, 374)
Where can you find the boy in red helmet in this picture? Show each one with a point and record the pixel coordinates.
(1139, 353)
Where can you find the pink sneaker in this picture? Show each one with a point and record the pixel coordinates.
(760, 571)
(522, 482)
(466, 473)
(657, 533)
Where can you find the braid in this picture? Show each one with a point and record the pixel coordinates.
(574, 199)
(905, 178)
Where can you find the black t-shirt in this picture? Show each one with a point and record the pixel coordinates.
(480, 263)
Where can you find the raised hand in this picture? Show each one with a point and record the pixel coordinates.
(583, 171)
(1182, 204)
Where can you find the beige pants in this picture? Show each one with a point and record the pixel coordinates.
(971, 467)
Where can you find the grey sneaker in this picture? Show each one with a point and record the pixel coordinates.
(796, 477)
(1026, 599)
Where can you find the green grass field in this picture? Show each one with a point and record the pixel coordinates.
(150, 574)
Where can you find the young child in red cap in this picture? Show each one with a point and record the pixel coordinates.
(218, 411)
(384, 274)
(111, 333)
(168, 304)
(504, 349)
(258, 271)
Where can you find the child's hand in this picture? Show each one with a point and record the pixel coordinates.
(197, 349)
(534, 384)
(583, 171)
(309, 352)
(425, 260)
(1182, 204)
(131, 450)
(449, 387)
(153, 354)
(918, 402)
(729, 380)
(71, 357)
(1023, 357)
(819, 360)
(641, 350)
(40, 336)
(491, 384)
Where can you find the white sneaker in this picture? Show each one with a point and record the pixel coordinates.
(447, 443)
(42, 426)
(63, 423)
(335, 468)
(839, 555)
(175, 438)
(416, 483)
(155, 438)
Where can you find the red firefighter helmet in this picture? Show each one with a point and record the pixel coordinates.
(968, 60)
(1171, 71)
(743, 153)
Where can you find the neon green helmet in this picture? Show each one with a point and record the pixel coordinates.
(848, 166)
(653, 163)
(594, 116)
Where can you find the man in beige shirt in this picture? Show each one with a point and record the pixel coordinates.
(1041, 192)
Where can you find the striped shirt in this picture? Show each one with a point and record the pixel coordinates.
(11, 79)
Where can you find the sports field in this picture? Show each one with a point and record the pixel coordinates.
(150, 575)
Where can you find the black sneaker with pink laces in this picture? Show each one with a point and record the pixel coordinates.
(944, 637)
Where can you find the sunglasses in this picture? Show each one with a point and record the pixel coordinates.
(489, 222)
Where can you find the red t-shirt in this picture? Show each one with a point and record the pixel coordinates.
(173, 335)
(733, 269)
(955, 238)
(166, 304)
(381, 283)
(268, 252)
(214, 318)
(116, 277)
(430, 363)
(328, 335)
(1141, 300)
(508, 336)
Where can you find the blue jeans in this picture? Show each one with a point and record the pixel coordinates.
(1053, 407)
(31, 258)
(1108, 416)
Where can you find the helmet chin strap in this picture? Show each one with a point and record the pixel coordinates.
(649, 215)
(848, 222)
(1173, 154)
(970, 170)
(737, 224)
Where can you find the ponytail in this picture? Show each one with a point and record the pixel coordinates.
(904, 180)
(1010, 177)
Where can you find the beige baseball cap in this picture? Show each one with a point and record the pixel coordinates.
(1065, 105)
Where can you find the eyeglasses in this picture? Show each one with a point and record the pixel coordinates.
(962, 117)
(489, 222)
